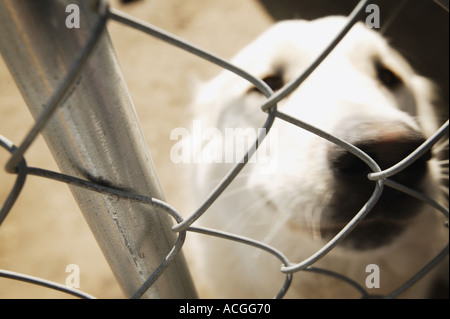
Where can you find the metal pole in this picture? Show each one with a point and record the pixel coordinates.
(94, 134)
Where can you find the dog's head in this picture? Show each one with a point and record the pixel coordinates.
(365, 93)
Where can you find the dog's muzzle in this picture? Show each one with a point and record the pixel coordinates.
(387, 143)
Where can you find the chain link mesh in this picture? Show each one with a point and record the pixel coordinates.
(17, 165)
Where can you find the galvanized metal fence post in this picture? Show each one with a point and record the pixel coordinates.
(94, 134)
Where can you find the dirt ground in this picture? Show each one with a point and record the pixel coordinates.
(45, 231)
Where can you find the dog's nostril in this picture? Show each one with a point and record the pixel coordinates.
(385, 142)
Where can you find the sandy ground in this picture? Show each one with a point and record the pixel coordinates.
(45, 231)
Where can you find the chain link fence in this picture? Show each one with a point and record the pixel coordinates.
(17, 165)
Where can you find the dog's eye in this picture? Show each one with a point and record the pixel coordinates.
(275, 82)
(387, 77)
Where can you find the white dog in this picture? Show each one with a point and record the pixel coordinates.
(301, 190)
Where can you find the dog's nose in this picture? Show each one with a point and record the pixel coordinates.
(385, 142)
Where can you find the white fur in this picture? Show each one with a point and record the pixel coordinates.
(282, 206)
